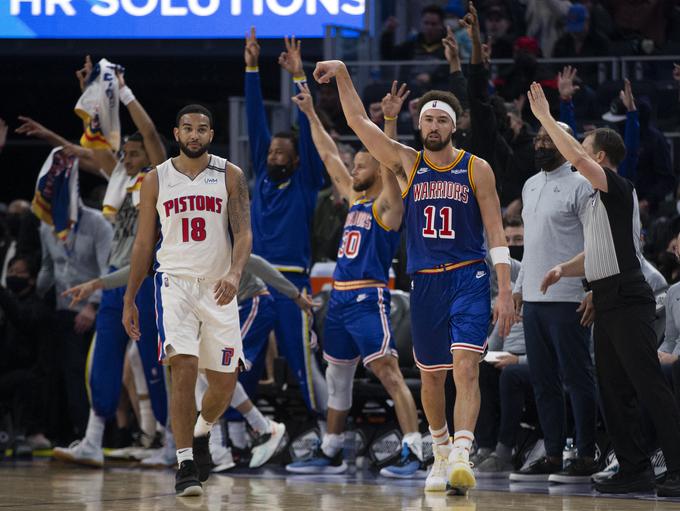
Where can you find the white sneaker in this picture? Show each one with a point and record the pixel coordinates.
(268, 444)
(436, 479)
(461, 476)
(161, 458)
(222, 458)
(81, 453)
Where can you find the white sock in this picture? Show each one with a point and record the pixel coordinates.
(147, 421)
(94, 434)
(414, 440)
(185, 455)
(257, 421)
(216, 436)
(440, 436)
(462, 441)
(237, 434)
(331, 444)
(239, 396)
(202, 426)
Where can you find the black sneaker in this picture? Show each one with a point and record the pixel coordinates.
(539, 470)
(580, 470)
(202, 456)
(626, 482)
(670, 487)
(186, 480)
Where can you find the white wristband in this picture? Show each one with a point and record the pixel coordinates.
(500, 255)
(126, 96)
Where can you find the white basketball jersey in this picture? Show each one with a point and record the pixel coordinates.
(195, 241)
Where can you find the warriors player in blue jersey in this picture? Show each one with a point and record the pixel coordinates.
(358, 322)
(450, 200)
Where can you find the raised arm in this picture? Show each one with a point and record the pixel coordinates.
(153, 145)
(567, 145)
(259, 136)
(631, 136)
(389, 205)
(490, 208)
(393, 155)
(325, 145)
(567, 89)
(238, 207)
(142, 251)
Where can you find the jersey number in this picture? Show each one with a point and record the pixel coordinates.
(195, 231)
(349, 246)
(446, 231)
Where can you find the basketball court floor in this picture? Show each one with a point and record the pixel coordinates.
(48, 485)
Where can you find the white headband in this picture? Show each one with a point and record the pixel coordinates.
(437, 104)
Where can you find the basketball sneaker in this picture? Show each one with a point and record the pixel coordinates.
(609, 471)
(407, 467)
(319, 463)
(166, 456)
(222, 458)
(267, 445)
(461, 476)
(80, 452)
(436, 479)
(186, 480)
(202, 456)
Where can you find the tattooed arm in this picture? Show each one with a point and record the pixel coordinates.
(238, 207)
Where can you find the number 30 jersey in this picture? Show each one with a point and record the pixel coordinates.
(367, 246)
(194, 238)
(443, 221)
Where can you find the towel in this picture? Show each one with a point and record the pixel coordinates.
(120, 184)
(98, 108)
(56, 197)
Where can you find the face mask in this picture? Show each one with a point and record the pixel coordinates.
(547, 159)
(16, 284)
(279, 172)
(517, 252)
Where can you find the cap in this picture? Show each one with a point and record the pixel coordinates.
(617, 111)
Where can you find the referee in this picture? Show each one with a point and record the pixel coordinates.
(628, 369)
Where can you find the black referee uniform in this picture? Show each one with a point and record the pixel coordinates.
(628, 369)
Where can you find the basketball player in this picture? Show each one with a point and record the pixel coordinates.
(141, 150)
(198, 198)
(358, 322)
(450, 198)
(288, 177)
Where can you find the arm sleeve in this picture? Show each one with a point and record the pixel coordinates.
(311, 165)
(482, 117)
(631, 139)
(259, 136)
(271, 276)
(568, 115)
(117, 278)
(523, 359)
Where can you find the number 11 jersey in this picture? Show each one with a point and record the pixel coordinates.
(194, 240)
(443, 221)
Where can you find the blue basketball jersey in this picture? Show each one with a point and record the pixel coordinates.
(443, 221)
(367, 247)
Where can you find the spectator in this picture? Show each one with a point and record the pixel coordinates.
(455, 11)
(557, 343)
(641, 19)
(499, 30)
(520, 137)
(426, 45)
(25, 345)
(544, 19)
(513, 82)
(82, 256)
(3, 134)
(328, 102)
(16, 211)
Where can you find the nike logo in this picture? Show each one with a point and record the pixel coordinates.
(480, 274)
(362, 297)
(422, 170)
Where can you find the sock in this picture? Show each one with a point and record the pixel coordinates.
(147, 421)
(257, 421)
(216, 436)
(331, 444)
(414, 440)
(462, 441)
(440, 436)
(94, 434)
(185, 455)
(202, 426)
(237, 434)
(503, 452)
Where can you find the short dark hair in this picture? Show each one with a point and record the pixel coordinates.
(441, 95)
(135, 137)
(609, 141)
(512, 221)
(32, 264)
(433, 9)
(194, 109)
(290, 136)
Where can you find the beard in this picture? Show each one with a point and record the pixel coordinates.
(432, 145)
(193, 153)
(364, 185)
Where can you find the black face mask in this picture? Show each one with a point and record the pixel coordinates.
(547, 159)
(17, 284)
(279, 172)
(517, 252)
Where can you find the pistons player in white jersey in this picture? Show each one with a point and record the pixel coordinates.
(202, 204)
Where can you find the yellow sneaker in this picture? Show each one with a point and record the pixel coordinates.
(461, 476)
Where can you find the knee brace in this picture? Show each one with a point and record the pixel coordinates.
(239, 396)
(340, 379)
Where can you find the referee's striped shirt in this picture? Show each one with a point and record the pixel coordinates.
(612, 230)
